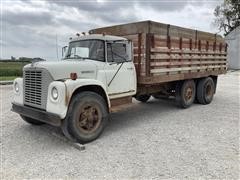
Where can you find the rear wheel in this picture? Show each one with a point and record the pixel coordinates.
(205, 90)
(88, 116)
(185, 93)
(31, 121)
(143, 98)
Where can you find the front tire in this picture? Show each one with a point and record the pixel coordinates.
(88, 116)
(32, 121)
(185, 93)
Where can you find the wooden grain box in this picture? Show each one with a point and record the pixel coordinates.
(165, 53)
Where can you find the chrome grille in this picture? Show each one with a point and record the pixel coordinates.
(33, 86)
(36, 82)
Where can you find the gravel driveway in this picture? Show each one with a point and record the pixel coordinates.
(156, 140)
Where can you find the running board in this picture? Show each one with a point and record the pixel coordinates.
(119, 104)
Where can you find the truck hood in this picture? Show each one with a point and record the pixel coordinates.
(62, 69)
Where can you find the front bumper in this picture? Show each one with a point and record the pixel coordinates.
(37, 114)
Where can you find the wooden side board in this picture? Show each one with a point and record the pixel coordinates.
(175, 58)
(158, 79)
(160, 59)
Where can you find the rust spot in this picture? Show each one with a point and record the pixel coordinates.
(67, 95)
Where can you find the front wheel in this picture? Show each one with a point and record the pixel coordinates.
(87, 118)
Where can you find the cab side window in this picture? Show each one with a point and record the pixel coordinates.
(116, 52)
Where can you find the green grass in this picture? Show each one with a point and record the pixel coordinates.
(11, 69)
(7, 78)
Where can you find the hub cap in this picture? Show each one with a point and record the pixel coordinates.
(188, 93)
(90, 118)
(209, 90)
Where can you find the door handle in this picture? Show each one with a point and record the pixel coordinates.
(130, 68)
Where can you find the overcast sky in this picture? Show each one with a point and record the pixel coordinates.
(29, 27)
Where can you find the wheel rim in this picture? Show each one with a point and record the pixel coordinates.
(188, 93)
(89, 119)
(209, 90)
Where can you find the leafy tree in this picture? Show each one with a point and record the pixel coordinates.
(227, 15)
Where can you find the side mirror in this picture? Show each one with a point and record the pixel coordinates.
(64, 49)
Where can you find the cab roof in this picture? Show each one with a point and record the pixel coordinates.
(98, 37)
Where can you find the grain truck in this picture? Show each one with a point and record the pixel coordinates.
(101, 73)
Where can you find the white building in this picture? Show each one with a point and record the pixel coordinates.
(233, 41)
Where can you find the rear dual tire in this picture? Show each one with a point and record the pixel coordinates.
(205, 90)
(185, 93)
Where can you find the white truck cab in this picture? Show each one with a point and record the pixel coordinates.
(78, 92)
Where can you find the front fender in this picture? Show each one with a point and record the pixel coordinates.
(18, 96)
(58, 106)
(66, 90)
(73, 85)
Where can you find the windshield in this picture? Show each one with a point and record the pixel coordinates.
(86, 49)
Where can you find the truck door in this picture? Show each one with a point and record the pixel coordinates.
(120, 70)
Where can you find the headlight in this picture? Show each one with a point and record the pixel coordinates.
(54, 93)
(16, 87)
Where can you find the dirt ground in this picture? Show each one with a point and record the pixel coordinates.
(156, 140)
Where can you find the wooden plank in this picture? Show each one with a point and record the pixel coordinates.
(159, 56)
(165, 50)
(178, 63)
(148, 52)
(165, 70)
(139, 54)
(135, 48)
(175, 77)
